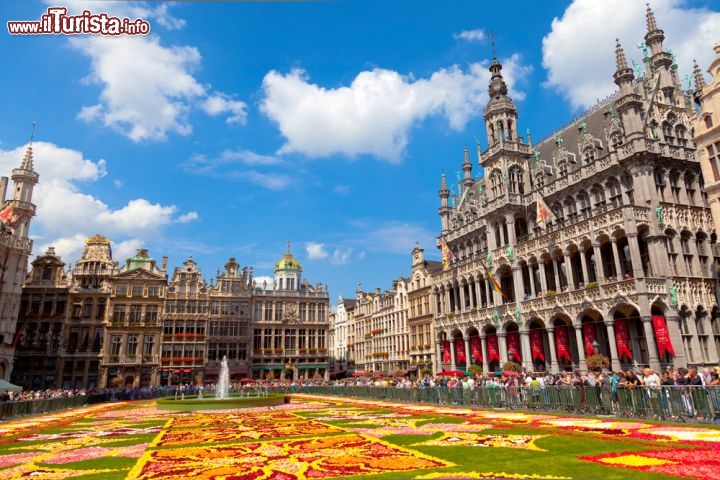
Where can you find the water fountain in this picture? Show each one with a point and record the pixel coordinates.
(223, 385)
(222, 399)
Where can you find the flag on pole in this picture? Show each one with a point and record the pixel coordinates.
(18, 334)
(9, 217)
(447, 255)
(543, 214)
(493, 281)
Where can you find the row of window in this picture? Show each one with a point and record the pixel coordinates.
(138, 290)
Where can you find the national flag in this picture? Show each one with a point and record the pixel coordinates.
(369, 298)
(446, 254)
(491, 278)
(543, 214)
(19, 333)
(8, 216)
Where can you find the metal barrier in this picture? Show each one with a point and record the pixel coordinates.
(43, 405)
(673, 402)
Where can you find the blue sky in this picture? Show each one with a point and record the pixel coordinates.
(234, 127)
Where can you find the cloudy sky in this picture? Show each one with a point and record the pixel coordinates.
(235, 127)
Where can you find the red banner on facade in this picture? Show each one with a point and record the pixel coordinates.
(589, 337)
(460, 356)
(493, 349)
(536, 345)
(622, 339)
(513, 344)
(562, 343)
(662, 336)
(476, 349)
(446, 351)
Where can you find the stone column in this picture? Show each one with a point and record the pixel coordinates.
(468, 358)
(569, 270)
(438, 355)
(614, 358)
(483, 346)
(651, 342)
(600, 269)
(635, 258)
(583, 265)
(526, 353)
(453, 361)
(518, 283)
(580, 347)
(558, 287)
(616, 257)
(543, 277)
(502, 345)
(533, 287)
(554, 367)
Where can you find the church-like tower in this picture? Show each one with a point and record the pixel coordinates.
(15, 247)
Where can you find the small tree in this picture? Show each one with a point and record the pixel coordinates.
(475, 369)
(597, 361)
(512, 367)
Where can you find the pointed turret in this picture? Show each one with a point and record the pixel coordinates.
(623, 74)
(466, 166)
(660, 60)
(500, 112)
(698, 76)
(444, 209)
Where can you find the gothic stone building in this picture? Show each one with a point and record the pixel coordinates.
(625, 267)
(15, 247)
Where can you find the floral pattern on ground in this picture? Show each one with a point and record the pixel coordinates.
(216, 419)
(488, 475)
(322, 457)
(194, 436)
(468, 439)
(23, 472)
(702, 464)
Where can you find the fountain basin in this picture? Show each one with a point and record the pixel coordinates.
(192, 402)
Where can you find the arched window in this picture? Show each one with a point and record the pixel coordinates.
(598, 194)
(516, 180)
(589, 154)
(672, 250)
(557, 209)
(668, 134)
(496, 184)
(539, 179)
(690, 187)
(570, 208)
(614, 192)
(681, 133)
(562, 168)
(616, 138)
(675, 185)
(584, 201)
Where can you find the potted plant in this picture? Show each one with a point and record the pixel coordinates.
(512, 367)
(592, 285)
(597, 361)
(550, 293)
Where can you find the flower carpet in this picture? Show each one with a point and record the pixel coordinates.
(321, 438)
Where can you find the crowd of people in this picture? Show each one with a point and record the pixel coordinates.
(13, 396)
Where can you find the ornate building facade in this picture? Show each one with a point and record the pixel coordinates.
(707, 132)
(42, 312)
(290, 325)
(339, 337)
(421, 313)
(620, 265)
(380, 330)
(133, 330)
(15, 248)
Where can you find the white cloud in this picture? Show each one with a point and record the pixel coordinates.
(66, 216)
(476, 35)
(220, 103)
(579, 52)
(246, 157)
(228, 163)
(271, 181)
(315, 251)
(188, 217)
(375, 113)
(341, 256)
(394, 237)
(147, 89)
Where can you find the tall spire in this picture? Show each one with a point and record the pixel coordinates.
(623, 73)
(620, 60)
(698, 77)
(27, 162)
(650, 16)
